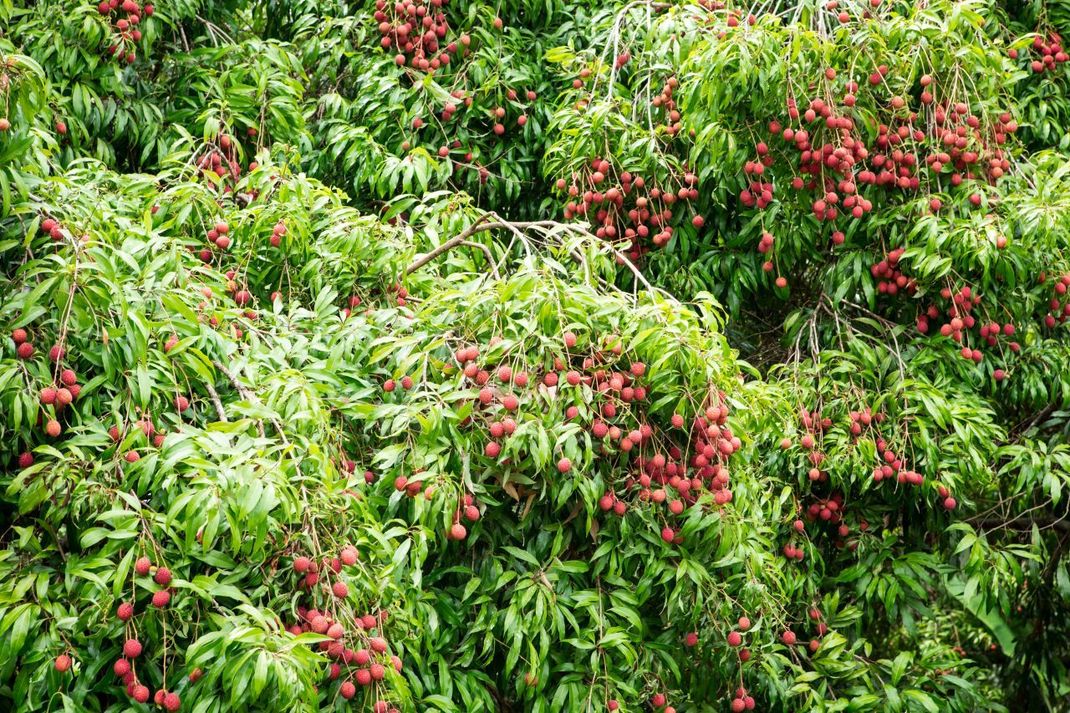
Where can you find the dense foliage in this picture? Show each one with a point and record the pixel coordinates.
(542, 356)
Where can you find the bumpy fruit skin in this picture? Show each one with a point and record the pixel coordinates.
(458, 531)
(163, 576)
(131, 648)
(25, 350)
(171, 702)
(347, 689)
(125, 611)
(564, 465)
(340, 590)
(161, 599)
(141, 693)
(63, 663)
(121, 667)
(142, 566)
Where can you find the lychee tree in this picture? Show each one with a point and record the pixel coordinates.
(397, 378)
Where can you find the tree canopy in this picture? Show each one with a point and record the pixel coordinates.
(446, 355)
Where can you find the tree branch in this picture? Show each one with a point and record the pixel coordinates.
(481, 226)
(214, 395)
(253, 399)
(1024, 521)
(487, 253)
